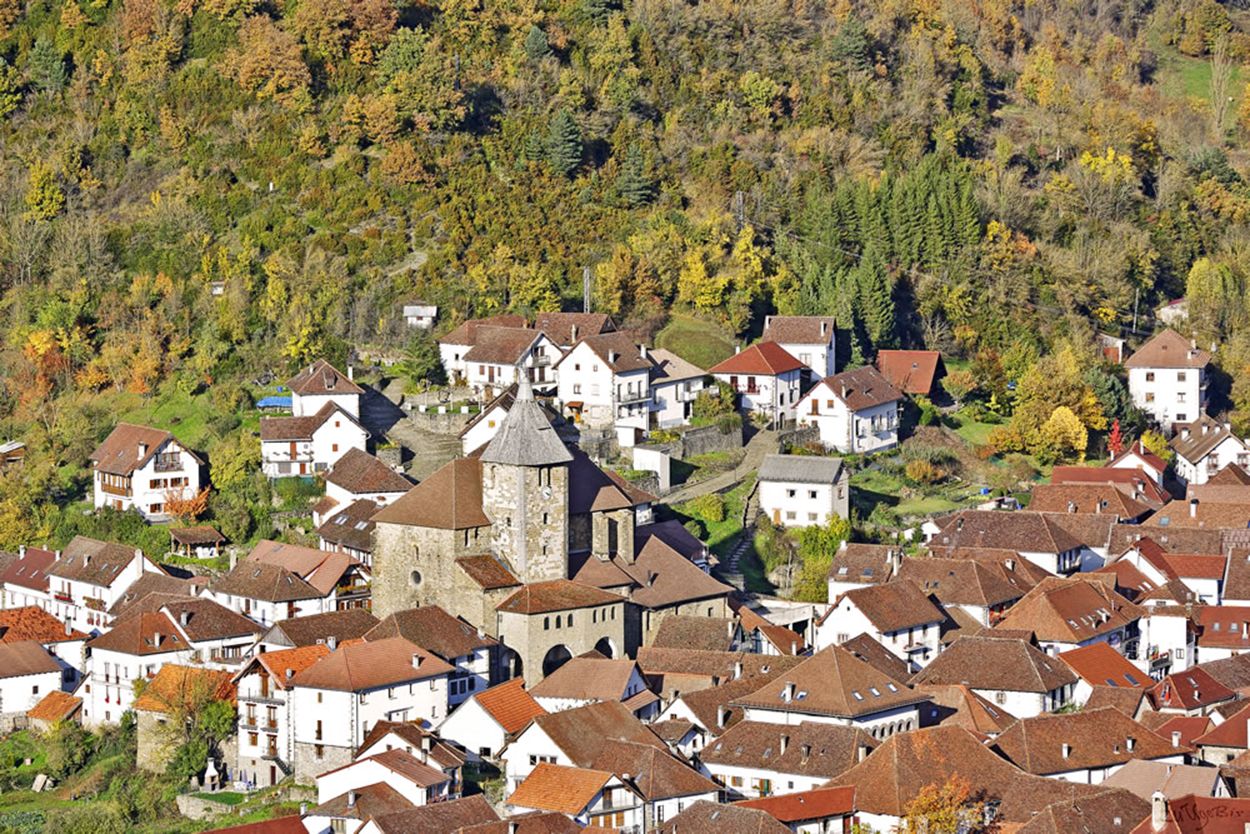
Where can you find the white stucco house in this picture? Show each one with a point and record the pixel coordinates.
(803, 490)
(141, 468)
(856, 412)
(675, 383)
(320, 384)
(898, 615)
(311, 444)
(27, 674)
(605, 381)
(500, 355)
(810, 339)
(1167, 378)
(484, 723)
(766, 379)
(1204, 447)
(453, 346)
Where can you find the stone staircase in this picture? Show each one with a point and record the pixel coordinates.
(729, 570)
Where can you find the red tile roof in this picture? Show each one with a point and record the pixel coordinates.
(450, 499)
(1101, 665)
(816, 804)
(510, 705)
(284, 664)
(360, 666)
(33, 623)
(763, 359)
(176, 685)
(1168, 349)
(1190, 689)
(551, 787)
(910, 371)
(30, 570)
(280, 825)
(55, 706)
(555, 595)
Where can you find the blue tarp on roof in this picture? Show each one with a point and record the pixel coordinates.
(274, 402)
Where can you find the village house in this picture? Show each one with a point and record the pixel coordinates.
(898, 615)
(675, 385)
(453, 346)
(956, 705)
(1100, 665)
(801, 490)
(1037, 537)
(588, 680)
(1204, 447)
(427, 746)
(1011, 674)
(766, 380)
(501, 356)
(278, 581)
(1223, 631)
(857, 565)
(605, 381)
(1191, 692)
(317, 629)
(588, 797)
(1065, 614)
(914, 372)
(484, 723)
(1137, 458)
(321, 384)
(855, 412)
(1226, 741)
(1138, 484)
(754, 759)
(348, 529)
(1201, 573)
(199, 541)
(89, 577)
(32, 624)
(266, 743)
(141, 468)
(359, 476)
(483, 426)
(311, 444)
(834, 686)
(810, 339)
(25, 580)
(1086, 746)
(1098, 499)
(135, 648)
(418, 782)
(52, 708)
(28, 672)
(1167, 378)
(476, 657)
(713, 817)
(339, 698)
(964, 584)
(420, 315)
(565, 329)
(176, 693)
(809, 812)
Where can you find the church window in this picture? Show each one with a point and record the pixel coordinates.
(559, 620)
(546, 518)
(546, 623)
(570, 622)
(415, 578)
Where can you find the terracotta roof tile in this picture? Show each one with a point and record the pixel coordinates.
(587, 679)
(957, 705)
(555, 595)
(567, 328)
(196, 535)
(350, 526)
(488, 572)
(280, 825)
(763, 359)
(552, 787)
(582, 733)
(685, 631)
(816, 804)
(1086, 498)
(910, 371)
(184, 686)
(301, 428)
(1070, 611)
(321, 379)
(433, 629)
(129, 447)
(510, 705)
(1168, 349)
(315, 628)
(533, 822)
(1007, 665)
(141, 633)
(450, 499)
(652, 771)
(501, 345)
(360, 666)
(620, 352)
(204, 620)
(1191, 689)
(895, 605)
(832, 682)
(31, 623)
(55, 706)
(1100, 665)
(798, 330)
(706, 817)
(1133, 482)
(809, 748)
(466, 332)
(439, 817)
(862, 388)
(359, 473)
(960, 581)
(441, 752)
(1092, 739)
(373, 800)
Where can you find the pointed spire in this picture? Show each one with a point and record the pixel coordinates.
(525, 437)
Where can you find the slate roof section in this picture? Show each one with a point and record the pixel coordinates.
(435, 630)
(120, 453)
(438, 817)
(351, 526)
(999, 665)
(910, 371)
(832, 682)
(361, 473)
(553, 787)
(555, 595)
(322, 379)
(801, 469)
(1092, 739)
(93, 561)
(450, 499)
(761, 359)
(862, 388)
(526, 437)
(510, 705)
(685, 631)
(1168, 349)
(362, 666)
(810, 749)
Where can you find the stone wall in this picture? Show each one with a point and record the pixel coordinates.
(308, 766)
(799, 436)
(152, 741)
(529, 508)
(532, 636)
(401, 549)
(705, 439)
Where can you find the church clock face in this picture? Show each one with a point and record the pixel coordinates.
(546, 493)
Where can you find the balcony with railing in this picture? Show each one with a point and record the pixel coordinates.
(168, 462)
(62, 596)
(122, 490)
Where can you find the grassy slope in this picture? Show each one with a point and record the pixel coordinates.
(695, 340)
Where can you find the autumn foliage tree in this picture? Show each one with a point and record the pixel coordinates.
(949, 808)
(186, 508)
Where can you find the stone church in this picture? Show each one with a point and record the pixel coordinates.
(500, 536)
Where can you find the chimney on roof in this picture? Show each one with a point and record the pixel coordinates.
(642, 351)
(805, 751)
(787, 693)
(21, 551)
(86, 559)
(417, 660)
(612, 355)
(514, 827)
(1130, 743)
(1176, 737)
(1193, 507)
(1158, 811)
(1204, 427)
(824, 328)
(68, 629)
(785, 744)
(143, 450)
(1184, 432)
(303, 808)
(290, 673)
(722, 715)
(427, 743)
(184, 617)
(894, 558)
(351, 373)
(1071, 506)
(1067, 750)
(351, 799)
(737, 667)
(332, 642)
(1011, 564)
(572, 333)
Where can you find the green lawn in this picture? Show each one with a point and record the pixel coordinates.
(695, 340)
(1183, 76)
(224, 797)
(187, 416)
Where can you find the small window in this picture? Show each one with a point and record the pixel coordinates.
(415, 578)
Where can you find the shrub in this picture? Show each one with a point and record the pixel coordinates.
(923, 472)
(710, 507)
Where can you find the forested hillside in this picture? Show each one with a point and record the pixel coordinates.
(996, 179)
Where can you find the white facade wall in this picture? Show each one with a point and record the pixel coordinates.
(472, 675)
(1098, 775)
(71, 597)
(796, 504)
(879, 725)
(850, 432)
(538, 361)
(819, 357)
(108, 687)
(267, 613)
(753, 783)
(530, 748)
(474, 729)
(452, 357)
(484, 430)
(345, 718)
(608, 398)
(775, 397)
(308, 405)
(1169, 395)
(343, 497)
(363, 773)
(845, 621)
(1229, 450)
(171, 471)
(19, 693)
(267, 718)
(1028, 704)
(673, 401)
(329, 442)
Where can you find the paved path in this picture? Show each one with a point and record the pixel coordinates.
(763, 443)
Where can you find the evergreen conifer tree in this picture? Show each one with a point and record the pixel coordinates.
(536, 45)
(564, 144)
(876, 302)
(850, 44)
(46, 66)
(633, 184)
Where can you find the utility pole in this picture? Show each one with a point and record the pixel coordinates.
(586, 289)
(1136, 295)
(740, 210)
